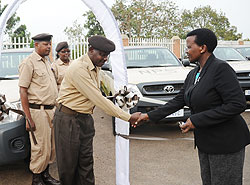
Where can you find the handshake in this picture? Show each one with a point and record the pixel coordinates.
(139, 118)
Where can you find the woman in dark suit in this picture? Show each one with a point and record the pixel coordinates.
(216, 100)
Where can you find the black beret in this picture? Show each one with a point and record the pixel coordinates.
(101, 43)
(42, 37)
(61, 46)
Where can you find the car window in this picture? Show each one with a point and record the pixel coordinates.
(10, 62)
(244, 51)
(150, 57)
(228, 54)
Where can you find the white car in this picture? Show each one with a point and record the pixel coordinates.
(244, 50)
(14, 140)
(240, 64)
(155, 74)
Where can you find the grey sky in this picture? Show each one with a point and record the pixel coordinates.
(52, 16)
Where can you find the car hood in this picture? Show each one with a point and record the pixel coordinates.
(156, 74)
(240, 65)
(10, 89)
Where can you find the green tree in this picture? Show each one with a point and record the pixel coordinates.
(146, 18)
(161, 19)
(76, 31)
(92, 25)
(206, 17)
(12, 27)
(137, 18)
(21, 31)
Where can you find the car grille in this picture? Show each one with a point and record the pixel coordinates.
(161, 89)
(243, 76)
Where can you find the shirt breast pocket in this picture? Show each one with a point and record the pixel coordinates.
(40, 77)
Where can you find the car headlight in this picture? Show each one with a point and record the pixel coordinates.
(133, 88)
(12, 116)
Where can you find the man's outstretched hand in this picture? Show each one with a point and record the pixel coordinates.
(134, 117)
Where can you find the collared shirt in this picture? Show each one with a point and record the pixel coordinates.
(80, 90)
(59, 68)
(35, 74)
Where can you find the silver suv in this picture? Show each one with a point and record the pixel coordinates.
(155, 74)
(237, 61)
(240, 64)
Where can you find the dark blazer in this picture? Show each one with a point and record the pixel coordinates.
(216, 102)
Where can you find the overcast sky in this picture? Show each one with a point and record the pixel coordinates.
(52, 16)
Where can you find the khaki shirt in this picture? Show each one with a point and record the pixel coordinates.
(35, 74)
(80, 90)
(59, 68)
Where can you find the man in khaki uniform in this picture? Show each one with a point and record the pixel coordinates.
(62, 62)
(38, 92)
(74, 125)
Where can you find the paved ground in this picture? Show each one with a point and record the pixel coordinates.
(157, 162)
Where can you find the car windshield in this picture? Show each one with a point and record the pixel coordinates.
(10, 62)
(150, 57)
(228, 54)
(244, 51)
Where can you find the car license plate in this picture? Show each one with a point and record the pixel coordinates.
(247, 92)
(179, 113)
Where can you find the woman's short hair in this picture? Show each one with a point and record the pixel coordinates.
(206, 37)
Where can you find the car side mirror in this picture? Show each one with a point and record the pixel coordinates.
(106, 67)
(185, 62)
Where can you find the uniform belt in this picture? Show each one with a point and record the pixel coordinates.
(38, 106)
(66, 110)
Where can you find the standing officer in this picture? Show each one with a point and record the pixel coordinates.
(38, 92)
(62, 62)
(74, 125)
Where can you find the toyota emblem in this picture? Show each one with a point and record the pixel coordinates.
(169, 88)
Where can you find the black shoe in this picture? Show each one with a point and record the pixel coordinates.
(37, 179)
(47, 179)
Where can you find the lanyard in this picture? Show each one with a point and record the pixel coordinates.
(197, 77)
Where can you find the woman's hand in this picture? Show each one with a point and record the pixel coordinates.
(187, 126)
(140, 120)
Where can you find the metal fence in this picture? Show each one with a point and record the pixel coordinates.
(79, 46)
(17, 42)
(168, 43)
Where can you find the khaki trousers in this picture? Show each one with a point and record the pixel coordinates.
(43, 153)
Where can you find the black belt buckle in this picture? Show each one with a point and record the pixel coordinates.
(48, 106)
(37, 106)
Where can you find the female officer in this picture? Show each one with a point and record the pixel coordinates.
(62, 62)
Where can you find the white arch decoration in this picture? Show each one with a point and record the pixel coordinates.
(111, 30)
